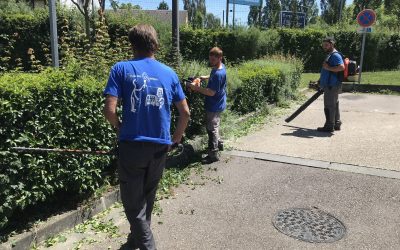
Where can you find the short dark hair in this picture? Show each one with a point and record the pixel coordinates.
(216, 51)
(143, 38)
(330, 40)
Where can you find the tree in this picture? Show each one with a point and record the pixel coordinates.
(196, 11)
(330, 10)
(84, 7)
(271, 13)
(359, 5)
(212, 22)
(309, 7)
(163, 6)
(253, 17)
(393, 7)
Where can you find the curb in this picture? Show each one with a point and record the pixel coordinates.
(317, 164)
(59, 223)
(62, 222)
(367, 88)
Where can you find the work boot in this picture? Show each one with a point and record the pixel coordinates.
(210, 158)
(326, 128)
(338, 124)
(220, 145)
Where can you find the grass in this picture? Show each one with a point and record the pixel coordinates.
(379, 77)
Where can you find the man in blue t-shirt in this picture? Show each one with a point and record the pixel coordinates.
(215, 102)
(147, 89)
(331, 83)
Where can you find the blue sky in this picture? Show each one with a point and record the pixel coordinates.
(214, 6)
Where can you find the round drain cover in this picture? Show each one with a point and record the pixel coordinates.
(311, 225)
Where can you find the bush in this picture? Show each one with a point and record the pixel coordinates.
(265, 80)
(53, 111)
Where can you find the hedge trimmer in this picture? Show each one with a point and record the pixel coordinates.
(176, 149)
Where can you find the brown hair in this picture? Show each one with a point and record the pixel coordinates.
(216, 52)
(143, 38)
(330, 40)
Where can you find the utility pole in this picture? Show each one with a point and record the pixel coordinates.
(227, 13)
(53, 34)
(175, 29)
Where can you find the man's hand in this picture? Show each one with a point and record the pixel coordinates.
(326, 66)
(184, 115)
(110, 112)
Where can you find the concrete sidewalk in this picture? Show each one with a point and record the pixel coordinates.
(370, 133)
(235, 208)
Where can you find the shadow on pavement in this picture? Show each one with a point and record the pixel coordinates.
(305, 132)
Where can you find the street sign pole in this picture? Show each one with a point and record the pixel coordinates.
(362, 55)
(233, 15)
(53, 34)
(227, 14)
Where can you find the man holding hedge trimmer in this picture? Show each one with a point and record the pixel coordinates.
(215, 102)
(147, 89)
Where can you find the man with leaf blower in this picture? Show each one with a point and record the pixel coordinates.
(215, 102)
(147, 89)
(330, 81)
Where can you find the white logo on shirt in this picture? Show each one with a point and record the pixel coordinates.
(151, 100)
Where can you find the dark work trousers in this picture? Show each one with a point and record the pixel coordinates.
(331, 104)
(213, 120)
(141, 165)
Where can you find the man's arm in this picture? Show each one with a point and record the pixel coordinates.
(204, 91)
(110, 111)
(184, 115)
(335, 69)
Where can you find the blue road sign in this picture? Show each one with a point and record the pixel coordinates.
(246, 2)
(287, 16)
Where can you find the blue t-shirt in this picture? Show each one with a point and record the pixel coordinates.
(329, 78)
(217, 82)
(147, 89)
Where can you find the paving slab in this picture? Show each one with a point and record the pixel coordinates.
(370, 133)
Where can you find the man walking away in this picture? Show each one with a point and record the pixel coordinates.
(215, 102)
(147, 89)
(330, 82)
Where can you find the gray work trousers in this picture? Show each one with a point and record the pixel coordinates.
(141, 165)
(213, 120)
(331, 104)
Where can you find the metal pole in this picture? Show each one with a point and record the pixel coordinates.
(223, 17)
(53, 34)
(227, 13)
(233, 15)
(175, 26)
(362, 54)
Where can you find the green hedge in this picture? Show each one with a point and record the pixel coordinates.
(304, 44)
(63, 109)
(19, 32)
(272, 80)
(50, 110)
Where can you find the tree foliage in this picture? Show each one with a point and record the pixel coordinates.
(163, 6)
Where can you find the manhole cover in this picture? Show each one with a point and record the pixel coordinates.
(311, 225)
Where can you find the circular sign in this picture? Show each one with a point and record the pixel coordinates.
(366, 18)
